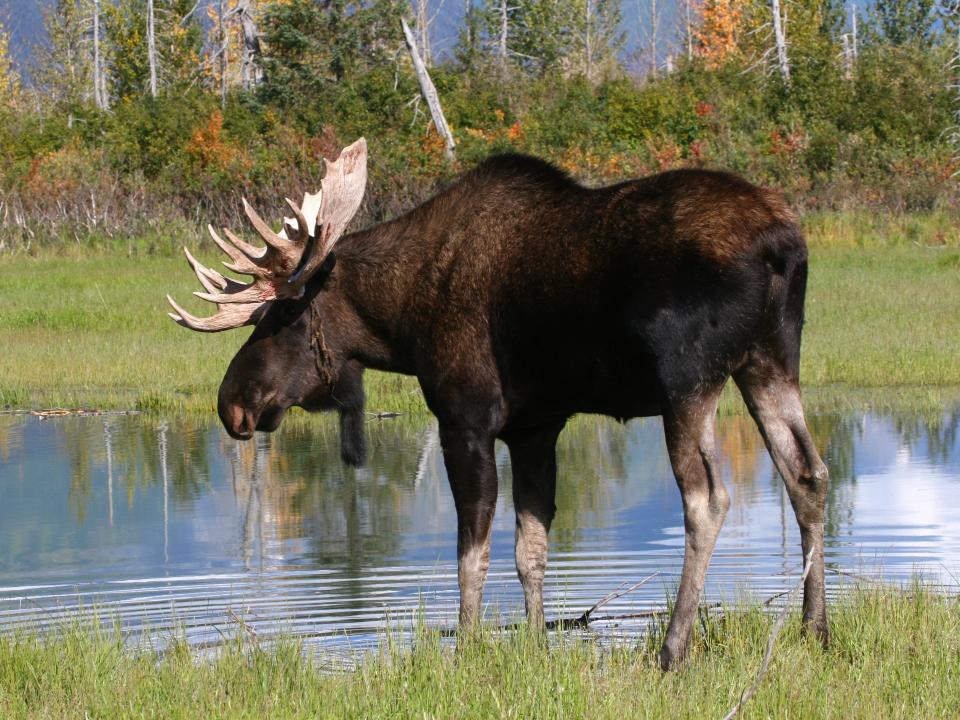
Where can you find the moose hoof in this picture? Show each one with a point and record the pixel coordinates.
(671, 658)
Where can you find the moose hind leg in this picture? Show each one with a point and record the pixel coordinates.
(534, 464)
(689, 430)
(773, 399)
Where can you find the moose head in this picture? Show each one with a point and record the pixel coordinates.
(286, 361)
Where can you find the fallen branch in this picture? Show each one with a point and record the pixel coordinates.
(584, 619)
(777, 626)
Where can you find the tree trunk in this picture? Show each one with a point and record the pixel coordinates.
(654, 26)
(588, 50)
(502, 43)
(853, 22)
(429, 92)
(250, 62)
(151, 49)
(423, 31)
(781, 41)
(222, 38)
(98, 87)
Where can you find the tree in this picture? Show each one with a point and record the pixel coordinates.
(133, 68)
(715, 40)
(568, 36)
(64, 67)
(9, 80)
(905, 21)
(309, 47)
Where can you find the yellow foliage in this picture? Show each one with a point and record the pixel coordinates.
(208, 146)
(716, 38)
(9, 81)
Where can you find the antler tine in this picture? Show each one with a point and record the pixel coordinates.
(227, 317)
(303, 233)
(254, 253)
(211, 280)
(286, 248)
(241, 263)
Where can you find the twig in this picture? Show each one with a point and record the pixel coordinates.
(777, 626)
(584, 620)
(651, 613)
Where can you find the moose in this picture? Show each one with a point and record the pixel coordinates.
(518, 298)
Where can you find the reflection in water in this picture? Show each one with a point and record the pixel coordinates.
(171, 524)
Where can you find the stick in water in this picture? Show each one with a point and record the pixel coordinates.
(777, 626)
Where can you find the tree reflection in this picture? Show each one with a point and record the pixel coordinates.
(291, 486)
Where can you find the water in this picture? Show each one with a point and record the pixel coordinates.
(169, 527)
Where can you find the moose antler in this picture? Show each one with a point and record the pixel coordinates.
(282, 268)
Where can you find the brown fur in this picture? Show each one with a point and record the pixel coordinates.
(519, 298)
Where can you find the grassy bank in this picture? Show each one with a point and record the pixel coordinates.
(895, 654)
(89, 329)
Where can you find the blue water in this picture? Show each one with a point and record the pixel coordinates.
(168, 526)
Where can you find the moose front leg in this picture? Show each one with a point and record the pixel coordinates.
(689, 430)
(472, 471)
(533, 459)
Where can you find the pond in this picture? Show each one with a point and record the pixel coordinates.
(165, 525)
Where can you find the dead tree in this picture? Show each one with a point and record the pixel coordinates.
(429, 92)
(781, 40)
(99, 96)
(151, 49)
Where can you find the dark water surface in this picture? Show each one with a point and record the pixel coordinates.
(171, 525)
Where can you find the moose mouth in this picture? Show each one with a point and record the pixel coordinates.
(240, 422)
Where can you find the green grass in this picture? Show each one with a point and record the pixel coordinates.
(90, 329)
(894, 654)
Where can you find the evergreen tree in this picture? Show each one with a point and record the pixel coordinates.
(905, 21)
(309, 45)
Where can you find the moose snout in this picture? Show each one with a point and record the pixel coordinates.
(238, 421)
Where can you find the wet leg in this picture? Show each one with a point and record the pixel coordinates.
(774, 402)
(689, 430)
(534, 462)
(471, 468)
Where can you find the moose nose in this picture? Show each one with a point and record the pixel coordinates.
(237, 420)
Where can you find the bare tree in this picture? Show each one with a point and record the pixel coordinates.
(423, 32)
(429, 92)
(250, 58)
(502, 40)
(99, 96)
(781, 41)
(650, 36)
(587, 46)
(151, 49)
(222, 36)
(853, 25)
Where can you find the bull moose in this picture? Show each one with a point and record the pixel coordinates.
(519, 298)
